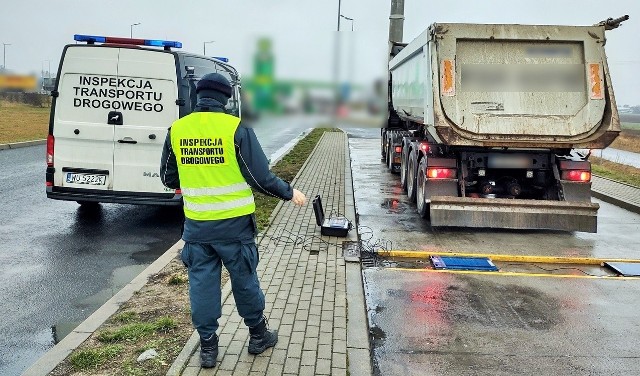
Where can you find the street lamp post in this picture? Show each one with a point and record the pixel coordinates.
(131, 29)
(336, 68)
(48, 71)
(339, 11)
(348, 19)
(204, 47)
(4, 55)
(351, 50)
(351, 47)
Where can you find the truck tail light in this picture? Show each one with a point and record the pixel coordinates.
(50, 143)
(424, 147)
(398, 149)
(441, 173)
(576, 175)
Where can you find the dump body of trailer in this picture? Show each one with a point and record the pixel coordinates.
(508, 86)
(491, 119)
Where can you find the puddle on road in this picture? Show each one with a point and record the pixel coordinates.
(394, 205)
(378, 336)
(490, 304)
(61, 330)
(119, 278)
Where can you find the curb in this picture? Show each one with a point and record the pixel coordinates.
(358, 349)
(180, 363)
(617, 202)
(59, 352)
(24, 144)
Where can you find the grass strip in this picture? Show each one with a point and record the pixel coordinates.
(94, 358)
(287, 169)
(615, 171)
(135, 331)
(21, 122)
(630, 126)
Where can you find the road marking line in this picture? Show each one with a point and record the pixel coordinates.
(515, 274)
(509, 258)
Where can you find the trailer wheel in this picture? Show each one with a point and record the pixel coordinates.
(390, 159)
(411, 178)
(403, 172)
(423, 207)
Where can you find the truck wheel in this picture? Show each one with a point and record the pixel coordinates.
(411, 178)
(423, 207)
(390, 159)
(403, 173)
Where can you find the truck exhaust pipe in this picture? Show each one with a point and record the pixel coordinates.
(612, 23)
(396, 21)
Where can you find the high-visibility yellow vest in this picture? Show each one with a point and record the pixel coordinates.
(212, 185)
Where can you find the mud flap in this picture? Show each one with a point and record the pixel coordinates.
(513, 214)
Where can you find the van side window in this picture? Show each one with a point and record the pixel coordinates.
(201, 67)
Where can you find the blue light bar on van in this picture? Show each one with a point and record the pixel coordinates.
(223, 59)
(90, 39)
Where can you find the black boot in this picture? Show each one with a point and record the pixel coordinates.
(261, 338)
(209, 351)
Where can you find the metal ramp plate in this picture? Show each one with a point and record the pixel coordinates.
(626, 269)
(513, 214)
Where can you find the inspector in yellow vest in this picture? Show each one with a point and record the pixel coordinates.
(212, 185)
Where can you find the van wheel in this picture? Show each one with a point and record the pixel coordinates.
(423, 207)
(88, 204)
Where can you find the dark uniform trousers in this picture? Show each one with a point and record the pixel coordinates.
(204, 262)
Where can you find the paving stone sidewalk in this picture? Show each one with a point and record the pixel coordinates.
(619, 194)
(304, 277)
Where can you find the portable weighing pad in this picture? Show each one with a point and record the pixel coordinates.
(463, 263)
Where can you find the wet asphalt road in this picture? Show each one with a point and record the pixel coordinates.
(619, 156)
(59, 263)
(473, 324)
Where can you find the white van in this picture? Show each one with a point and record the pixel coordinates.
(112, 106)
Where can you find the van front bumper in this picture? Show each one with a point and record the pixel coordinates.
(115, 197)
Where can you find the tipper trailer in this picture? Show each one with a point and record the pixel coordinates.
(491, 125)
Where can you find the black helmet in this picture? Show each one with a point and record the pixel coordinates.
(215, 82)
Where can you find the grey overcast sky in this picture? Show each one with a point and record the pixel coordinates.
(302, 30)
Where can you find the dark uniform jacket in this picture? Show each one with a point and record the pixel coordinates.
(254, 167)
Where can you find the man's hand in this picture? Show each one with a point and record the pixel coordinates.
(298, 197)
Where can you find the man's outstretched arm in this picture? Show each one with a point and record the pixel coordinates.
(254, 166)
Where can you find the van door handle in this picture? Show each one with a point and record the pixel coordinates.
(114, 118)
(127, 140)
